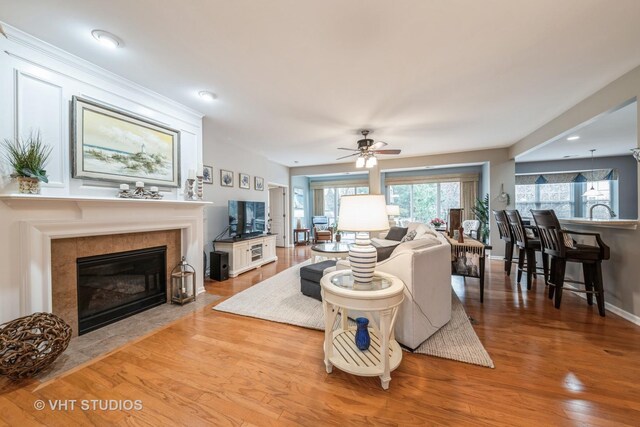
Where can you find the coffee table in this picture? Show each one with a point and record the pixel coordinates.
(330, 250)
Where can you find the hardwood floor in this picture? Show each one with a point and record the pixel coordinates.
(553, 367)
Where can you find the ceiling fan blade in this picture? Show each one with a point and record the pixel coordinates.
(348, 155)
(377, 145)
(387, 151)
(348, 149)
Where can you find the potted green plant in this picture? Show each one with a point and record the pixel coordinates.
(27, 157)
(481, 211)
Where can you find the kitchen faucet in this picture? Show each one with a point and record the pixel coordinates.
(612, 214)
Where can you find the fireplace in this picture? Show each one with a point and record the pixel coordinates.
(114, 286)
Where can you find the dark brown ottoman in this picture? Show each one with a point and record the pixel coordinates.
(310, 276)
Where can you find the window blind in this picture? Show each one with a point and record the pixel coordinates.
(428, 179)
(567, 177)
(347, 183)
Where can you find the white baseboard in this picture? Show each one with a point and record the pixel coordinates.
(608, 306)
(612, 308)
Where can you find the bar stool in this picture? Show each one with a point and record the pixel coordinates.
(527, 247)
(558, 244)
(507, 235)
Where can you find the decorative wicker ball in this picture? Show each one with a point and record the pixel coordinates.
(31, 343)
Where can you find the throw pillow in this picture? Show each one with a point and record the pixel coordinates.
(568, 241)
(396, 233)
(423, 229)
(409, 236)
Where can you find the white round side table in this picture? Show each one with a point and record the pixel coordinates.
(339, 295)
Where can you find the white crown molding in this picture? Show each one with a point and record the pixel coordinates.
(20, 37)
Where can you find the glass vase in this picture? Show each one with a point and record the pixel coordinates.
(363, 340)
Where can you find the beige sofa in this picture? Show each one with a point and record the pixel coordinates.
(424, 266)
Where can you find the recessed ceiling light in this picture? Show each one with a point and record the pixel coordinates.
(573, 138)
(296, 162)
(107, 39)
(568, 156)
(207, 96)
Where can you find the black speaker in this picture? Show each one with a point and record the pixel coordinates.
(219, 269)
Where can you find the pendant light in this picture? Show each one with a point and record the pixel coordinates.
(592, 192)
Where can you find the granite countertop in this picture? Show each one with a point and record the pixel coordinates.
(609, 223)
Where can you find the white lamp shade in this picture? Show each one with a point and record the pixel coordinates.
(365, 212)
(360, 162)
(393, 210)
(371, 162)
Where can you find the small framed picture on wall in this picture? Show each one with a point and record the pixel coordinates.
(258, 183)
(207, 174)
(245, 181)
(226, 178)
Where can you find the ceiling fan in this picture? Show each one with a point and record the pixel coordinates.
(367, 150)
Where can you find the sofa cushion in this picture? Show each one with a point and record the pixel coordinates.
(314, 272)
(415, 245)
(396, 233)
(384, 248)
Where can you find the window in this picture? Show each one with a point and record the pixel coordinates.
(606, 190)
(423, 202)
(332, 197)
(566, 199)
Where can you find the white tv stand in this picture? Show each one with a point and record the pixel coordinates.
(247, 254)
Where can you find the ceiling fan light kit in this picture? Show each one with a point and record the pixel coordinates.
(366, 151)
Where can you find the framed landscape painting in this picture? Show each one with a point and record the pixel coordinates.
(114, 145)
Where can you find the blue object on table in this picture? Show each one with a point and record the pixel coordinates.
(363, 340)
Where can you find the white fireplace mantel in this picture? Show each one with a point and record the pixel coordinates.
(39, 219)
(15, 199)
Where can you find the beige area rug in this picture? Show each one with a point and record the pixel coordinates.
(279, 299)
(84, 348)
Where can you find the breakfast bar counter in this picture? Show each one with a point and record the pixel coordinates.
(630, 224)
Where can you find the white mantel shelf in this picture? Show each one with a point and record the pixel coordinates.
(9, 199)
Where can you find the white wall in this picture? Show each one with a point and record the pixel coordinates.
(221, 155)
(37, 82)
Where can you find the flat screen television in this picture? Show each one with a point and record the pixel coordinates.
(246, 219)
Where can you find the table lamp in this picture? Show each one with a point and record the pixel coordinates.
(393, 211)
(363, 214)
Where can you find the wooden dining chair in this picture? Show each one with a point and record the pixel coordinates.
(507, 235)
(527, 248)
(559, 245)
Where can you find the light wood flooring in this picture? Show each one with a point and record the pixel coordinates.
(553, 367)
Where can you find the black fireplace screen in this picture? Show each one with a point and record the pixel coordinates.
(114, 286)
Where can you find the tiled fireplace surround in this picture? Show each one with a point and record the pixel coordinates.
(65, 252)
(55, 231)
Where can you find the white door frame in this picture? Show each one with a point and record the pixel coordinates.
(287, 226)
